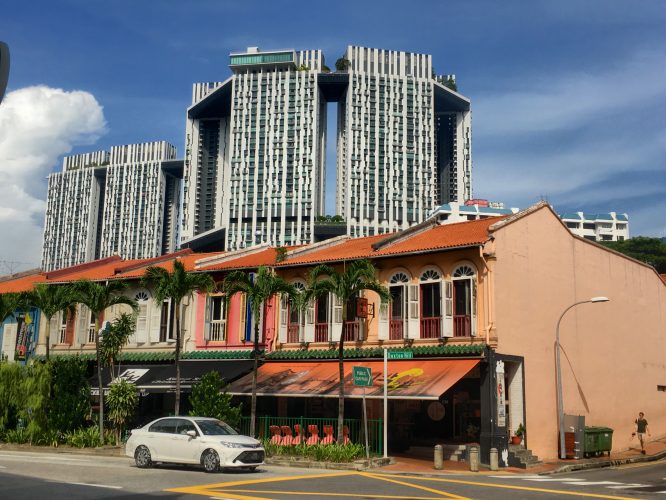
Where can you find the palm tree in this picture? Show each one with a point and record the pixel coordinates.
(9, 303)
(258, 290)
(176, 286)
(98, 297)
(360, 275)
(115, 338)
(51, 299)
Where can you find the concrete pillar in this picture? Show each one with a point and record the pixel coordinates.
(439, 457)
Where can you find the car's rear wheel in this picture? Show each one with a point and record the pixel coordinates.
(142, 457)
(210, 461)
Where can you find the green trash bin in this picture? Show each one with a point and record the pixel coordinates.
(598, 440)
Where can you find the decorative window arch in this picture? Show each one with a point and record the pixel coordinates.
(464, 271)
(141, 296)
(399, 278)
(431, 274)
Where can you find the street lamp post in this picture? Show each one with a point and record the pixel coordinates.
(558, 371)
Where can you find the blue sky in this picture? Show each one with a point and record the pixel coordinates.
(568, 97)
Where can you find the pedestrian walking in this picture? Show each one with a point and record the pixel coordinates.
(641, 429)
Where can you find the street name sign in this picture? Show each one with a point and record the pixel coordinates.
(400, 355)
(362, 376)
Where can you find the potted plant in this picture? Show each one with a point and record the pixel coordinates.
(517, 438)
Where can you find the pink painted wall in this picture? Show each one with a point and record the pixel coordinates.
(615, 351)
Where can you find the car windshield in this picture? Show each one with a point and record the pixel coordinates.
(214, 428)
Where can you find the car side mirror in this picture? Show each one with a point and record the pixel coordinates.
(192, 434)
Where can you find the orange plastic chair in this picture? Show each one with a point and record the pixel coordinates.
(276, 438)
(345, 435)
(314, 434)
(328, 435)
(287, 438)
(297, 435)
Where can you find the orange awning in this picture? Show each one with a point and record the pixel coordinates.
(413, 379)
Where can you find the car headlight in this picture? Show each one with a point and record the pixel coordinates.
(227, 444)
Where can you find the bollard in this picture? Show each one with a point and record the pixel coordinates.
(439, 457)
(474, 458)
(493, 459)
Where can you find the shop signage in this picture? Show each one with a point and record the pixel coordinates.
(501, 396)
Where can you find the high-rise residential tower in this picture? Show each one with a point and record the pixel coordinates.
(256, 146)
(123, 202)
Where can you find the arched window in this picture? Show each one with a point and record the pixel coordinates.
(296, 317)
(140, 335)
(398, 306)
(431, 304)
(464, 301)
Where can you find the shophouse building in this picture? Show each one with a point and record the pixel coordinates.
(477, 305)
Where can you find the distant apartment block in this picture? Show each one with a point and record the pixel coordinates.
(611, 226)
(256, 146)
(119, 202)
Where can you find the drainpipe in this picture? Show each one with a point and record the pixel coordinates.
(488, 294)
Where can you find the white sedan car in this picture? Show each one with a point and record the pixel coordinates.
(193, 440)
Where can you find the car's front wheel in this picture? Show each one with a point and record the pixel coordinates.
(142, 457)
(210, 461)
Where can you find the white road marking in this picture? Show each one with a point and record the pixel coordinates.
(625, 486)
(592, 483)
(2, 467)
(90, 484)
(572, 480)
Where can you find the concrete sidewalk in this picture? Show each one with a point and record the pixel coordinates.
(655, 450)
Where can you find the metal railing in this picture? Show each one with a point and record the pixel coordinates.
(216, 330)
(396, 329)
(375, 428)
(321, 332)
(91, 334)
(293, 335)
(431, 328)
(352, 331)
(462, 325)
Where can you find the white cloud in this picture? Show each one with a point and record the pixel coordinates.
(39, 124)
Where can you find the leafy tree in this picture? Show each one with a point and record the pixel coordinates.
(209, 398)
(37, 388)
(51, 299)
(652, 251)
(12, 397)
(451, 83)
(345, 285)
(115, 338)
(325, 69)
(342, 64)
(98, 298)
(258, 290)
(175, 286)
(70, 393)
(123, 399)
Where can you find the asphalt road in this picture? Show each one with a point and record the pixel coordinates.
(55, 476)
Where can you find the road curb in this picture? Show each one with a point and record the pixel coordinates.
(600, 464)
(357, 465)
(110, 451)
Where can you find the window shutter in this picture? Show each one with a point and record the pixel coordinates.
(141, 335)
(243, 318)
(473, 309)
(284, 318)
(9, 340)
(208, 316)
(414, 322)
(309, 329)
(336, 319)
(447, 316)
(383, 331)
(54, 328)
(83, 323)
(155, 311)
